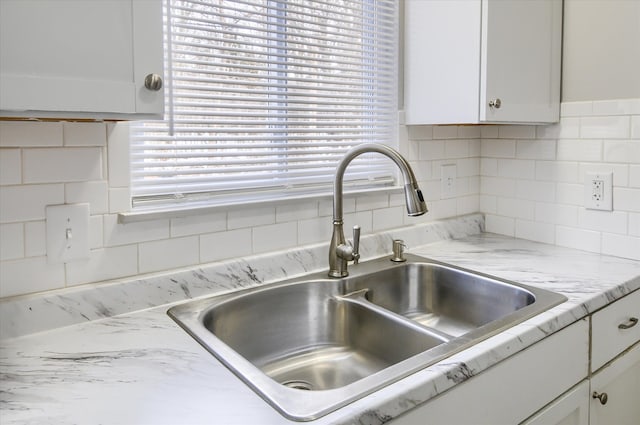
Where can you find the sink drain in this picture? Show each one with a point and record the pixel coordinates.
(298, 385)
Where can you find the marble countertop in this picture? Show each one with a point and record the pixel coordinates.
(140, 367)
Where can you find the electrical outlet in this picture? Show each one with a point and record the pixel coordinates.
(448, 175)
(598, 191)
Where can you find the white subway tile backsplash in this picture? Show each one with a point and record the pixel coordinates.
(634, 176)
(168, 254)
(93, 192)
(372, 202)
(388, 218)
(53, 165)
(314, 230)
(225, 245)
(625, 151)
(27, 202)
(96, 232)
(84, 134)
(635, 127)
(468, 204)
(576, 109)
(528, 180)
(626, 199)
(567, 128)
(634, 224)
(536, 190)
(498, 186)
(488, 204)
(469, 132)
(118, 155)
(570, 193)
(620, 171)
(489, 167)
(445, 132)
(119, 200)
(11, 241)
(500, 225)
(131, 233)
(10, 166)
(469, 167)
(615, 107)
(274, 237)
(579, 150)
(456, 148)
(296, 211)
(557, 171)
(497, 148)
(572, 237)
(603, 221)
(104, 264)
(518, 208)
(535, 231)
(30, 134)
(420, 132)
(611, 127)
(536, 149)
(431, 150)
(198, 224)
(250, 217)
(621, 245)
(35, 239)
(28, 275)
(566, 215)
(517, 132)
(516, 168)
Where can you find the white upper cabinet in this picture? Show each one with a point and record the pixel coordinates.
(80, 59)
(482, 61)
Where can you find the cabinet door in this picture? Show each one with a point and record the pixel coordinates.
(79, 59)
(571, 408)
(488, 398)
(620, 381)
(520, 60)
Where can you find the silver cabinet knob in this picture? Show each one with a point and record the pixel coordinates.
(495, 103)
(153, 82)
(603, 397)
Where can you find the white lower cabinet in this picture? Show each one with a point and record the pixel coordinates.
(572, 408)
(515, 388)
(551, 383)
(619, 382)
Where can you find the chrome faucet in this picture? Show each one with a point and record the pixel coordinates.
(340, 252)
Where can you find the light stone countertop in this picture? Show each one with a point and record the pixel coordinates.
(92, 362)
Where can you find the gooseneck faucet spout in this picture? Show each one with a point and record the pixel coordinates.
(340, 253)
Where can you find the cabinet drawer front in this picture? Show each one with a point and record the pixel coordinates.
(614, 329)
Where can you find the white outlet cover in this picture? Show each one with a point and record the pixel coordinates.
(605, 199)
(67, 232)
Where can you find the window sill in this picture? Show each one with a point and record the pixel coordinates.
(203, 208)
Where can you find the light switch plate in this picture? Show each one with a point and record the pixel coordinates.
(448, 176)
(67, 232)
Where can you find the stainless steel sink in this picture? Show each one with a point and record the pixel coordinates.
(311, 345)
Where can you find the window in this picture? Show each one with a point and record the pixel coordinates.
(263, 98)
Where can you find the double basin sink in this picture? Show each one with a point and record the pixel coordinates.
(313, 344)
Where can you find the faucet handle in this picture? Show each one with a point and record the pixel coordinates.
(356, 244)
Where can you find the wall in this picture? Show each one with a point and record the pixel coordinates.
(532, 178)
(601, 50)
(49, 163)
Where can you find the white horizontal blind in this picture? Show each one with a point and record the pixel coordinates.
(263, 97)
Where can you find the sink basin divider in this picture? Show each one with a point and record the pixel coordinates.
(359, 297)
